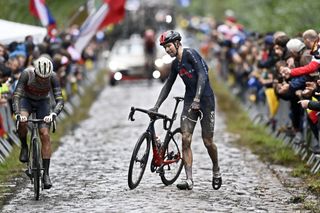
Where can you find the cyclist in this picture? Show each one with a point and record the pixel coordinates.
(198, 96)
(149, 52)
(33, 94)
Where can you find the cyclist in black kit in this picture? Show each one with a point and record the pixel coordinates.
(198, 97)
(32, 94)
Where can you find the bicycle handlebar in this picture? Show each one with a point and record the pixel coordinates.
(153, 115)
(36, 120)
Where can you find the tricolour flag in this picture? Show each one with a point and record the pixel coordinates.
(39, 9)
(110, 12)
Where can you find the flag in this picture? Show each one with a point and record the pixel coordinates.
(313, 116)
(39, 9)
(115, 14)
(110, 12)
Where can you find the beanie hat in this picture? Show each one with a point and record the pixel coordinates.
(268, 39)
(295, 45)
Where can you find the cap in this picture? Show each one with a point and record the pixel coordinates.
(295, 45)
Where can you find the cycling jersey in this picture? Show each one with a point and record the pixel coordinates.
(193, 70)
(29, 88)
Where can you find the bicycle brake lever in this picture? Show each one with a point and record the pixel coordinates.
(17, 124)
(201, 115)
(54, 124)
(165, 123)
(130, 117)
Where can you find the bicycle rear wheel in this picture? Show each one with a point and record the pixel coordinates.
(138, 161)
(172, 171)
(36, 168)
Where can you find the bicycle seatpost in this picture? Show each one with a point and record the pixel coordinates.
(178, 100)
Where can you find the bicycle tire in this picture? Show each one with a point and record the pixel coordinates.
(138, 162)
(172, 171)
(36, 168)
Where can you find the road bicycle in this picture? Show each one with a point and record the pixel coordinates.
(167, 158)
(34, 165)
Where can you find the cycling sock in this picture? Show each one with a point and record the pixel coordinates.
(216, 168)
(23, 142)
(46, 165)
(188, 170)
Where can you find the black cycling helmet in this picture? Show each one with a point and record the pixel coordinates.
(169, 36)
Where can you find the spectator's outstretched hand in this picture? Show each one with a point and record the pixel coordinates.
(285, 72)
(304, 103)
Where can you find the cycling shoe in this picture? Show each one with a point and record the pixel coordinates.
(46, 181)
(216, 181)
(185, 185)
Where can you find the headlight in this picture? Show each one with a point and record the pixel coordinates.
(117, 76)
(156, 74)
(167, 59)
(158, 62)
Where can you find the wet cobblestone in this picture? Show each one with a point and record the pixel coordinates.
(89, 170)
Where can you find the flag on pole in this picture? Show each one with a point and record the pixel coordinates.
(110, 12)
(116, 12)
(39, 9)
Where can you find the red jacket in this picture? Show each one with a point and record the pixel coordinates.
(309, 68)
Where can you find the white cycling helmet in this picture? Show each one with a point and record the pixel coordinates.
(43, 67)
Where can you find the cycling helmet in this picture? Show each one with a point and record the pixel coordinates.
(169, 36)
(43, 67)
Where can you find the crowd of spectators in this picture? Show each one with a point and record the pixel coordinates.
(271, 69)
(71, 67)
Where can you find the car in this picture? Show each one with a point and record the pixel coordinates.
(127, 60)
(162, 64)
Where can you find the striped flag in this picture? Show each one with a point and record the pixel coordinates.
(39, 9)
(111, 11)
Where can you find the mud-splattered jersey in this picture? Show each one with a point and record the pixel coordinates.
(194, 72)
(29, 87)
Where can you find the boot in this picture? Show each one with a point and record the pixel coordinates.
(46, 179)
(23, 153)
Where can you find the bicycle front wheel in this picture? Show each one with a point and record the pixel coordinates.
(36, 168)
(172, 153)
(138, 161)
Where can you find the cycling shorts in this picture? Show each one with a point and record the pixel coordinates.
(207, 106)
(40, 107)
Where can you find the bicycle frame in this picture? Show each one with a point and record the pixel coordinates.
(34, 138)
(158, 153)
(34, 165)
(35, 132)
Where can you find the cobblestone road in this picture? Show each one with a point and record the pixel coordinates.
(89, 170)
